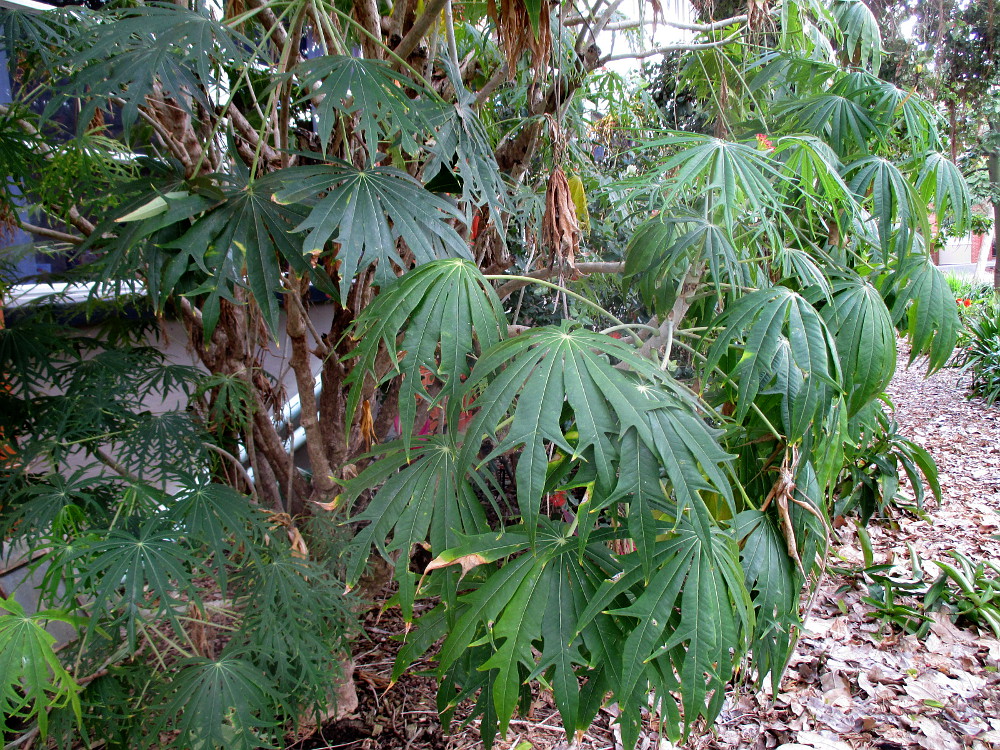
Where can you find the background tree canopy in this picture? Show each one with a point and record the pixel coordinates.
(604, 359)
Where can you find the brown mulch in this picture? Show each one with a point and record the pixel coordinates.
(854, 681)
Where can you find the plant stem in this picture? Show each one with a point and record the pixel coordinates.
(579, 297)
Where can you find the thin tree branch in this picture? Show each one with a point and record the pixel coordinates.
(547, 273)
(80, 222)
(322, 348)
(634, 24)
(116, 467)
(670, 48)
(271, 23)
(490, 86)
(419, 28)
(238, 466)
(51, 233)
(589, 35)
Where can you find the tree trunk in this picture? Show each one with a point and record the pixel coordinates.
(993, 164)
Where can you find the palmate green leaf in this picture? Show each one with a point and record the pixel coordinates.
(366, 211)
(155, 444)
(41, 34)
(58, 503)
(663, 249)
(141, 569)
(932, 322)
(735, 178)
(219, 518)
(756, 324)
(129, 52)
(244, 241)
(784, 72)
(388, 104)
(461, 144)
(839, 121)
(862, 38)
(532, 597)
(216, 703)
(545, 369)
(895, 204)
(798, 33)
(865, 337)
(653, 264)
(445, 308)
(941, 183)
(913, 115)
(689, 452)
(425, 497)
(811, 179)
(802, 268)
(689, 624)
(32, 679)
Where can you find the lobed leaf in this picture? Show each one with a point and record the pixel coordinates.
(366, 211)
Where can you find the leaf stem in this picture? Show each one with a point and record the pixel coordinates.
(725, 376)
(579, 297)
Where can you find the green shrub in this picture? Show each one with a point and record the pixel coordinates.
(980, 355)
(878, 458)
(201, 620)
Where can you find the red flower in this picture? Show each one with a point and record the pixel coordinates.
(968, 303)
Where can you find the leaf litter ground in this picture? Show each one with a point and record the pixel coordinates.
(853, 682)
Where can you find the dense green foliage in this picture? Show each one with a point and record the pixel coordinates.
(608, 516)
(980, 354)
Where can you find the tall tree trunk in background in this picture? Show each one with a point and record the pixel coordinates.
(953, 127)
(993, 163)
